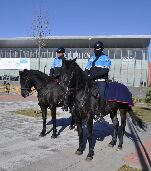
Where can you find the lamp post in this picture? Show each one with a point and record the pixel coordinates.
(89, 45)
(45, 68)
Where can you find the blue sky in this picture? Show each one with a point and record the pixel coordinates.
(77, 17)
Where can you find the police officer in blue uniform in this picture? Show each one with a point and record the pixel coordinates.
(98, 68)
(57, 63)
(55, 72)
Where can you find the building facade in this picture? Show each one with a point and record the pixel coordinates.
(129, 55)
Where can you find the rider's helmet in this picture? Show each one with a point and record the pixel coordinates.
(98, 45)
(60, 50)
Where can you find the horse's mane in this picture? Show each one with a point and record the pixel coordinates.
(40, 75)
(81, 76)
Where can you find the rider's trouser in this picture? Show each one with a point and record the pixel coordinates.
(102, 86)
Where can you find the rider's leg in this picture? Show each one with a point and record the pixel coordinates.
(102, 86)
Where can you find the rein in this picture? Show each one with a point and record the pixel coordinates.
(68, 89)
(30, 91)
(69, 81)
(68, 84)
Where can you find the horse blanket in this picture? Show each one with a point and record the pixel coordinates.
(117, 92)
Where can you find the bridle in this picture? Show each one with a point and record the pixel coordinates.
(29, 90)
(69, 80)
(68, 88)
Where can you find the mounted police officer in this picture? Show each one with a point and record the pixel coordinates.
(55, 71)
(98, 68)
(57, 63)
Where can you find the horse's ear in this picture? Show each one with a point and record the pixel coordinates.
(74, 60)
(25, 70)
(20, 72)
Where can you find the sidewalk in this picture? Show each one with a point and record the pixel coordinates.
(22, 149)
(14, 97)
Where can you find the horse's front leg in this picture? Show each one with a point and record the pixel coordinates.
(90, 136)
(72, 124)
(54, 130)
(80, 134)
(44, 117)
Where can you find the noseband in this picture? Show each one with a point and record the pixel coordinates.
(25, 89)
(29, 90)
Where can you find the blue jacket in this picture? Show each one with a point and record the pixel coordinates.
(57, 63)
(103, 61)
(56, 66)
(98, 67)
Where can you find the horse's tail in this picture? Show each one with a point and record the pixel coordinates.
(136, 120)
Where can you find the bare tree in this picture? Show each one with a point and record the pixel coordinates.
(41, 31)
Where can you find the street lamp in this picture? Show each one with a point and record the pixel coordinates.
(89, 44)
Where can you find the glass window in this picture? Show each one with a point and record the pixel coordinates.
(145, 54)
(117, 54)
(139, 55)
(111, 53)
(105, 51)
(131, 54)
(124, 54)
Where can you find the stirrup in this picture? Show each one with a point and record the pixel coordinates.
(99, 117)
(65, 108)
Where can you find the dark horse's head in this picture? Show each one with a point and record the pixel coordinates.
(32, 78)
(72, 75)
(68, 73)
(25, 82)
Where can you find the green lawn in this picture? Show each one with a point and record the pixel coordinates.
(127, 168)
(31, 112)
(143, 112)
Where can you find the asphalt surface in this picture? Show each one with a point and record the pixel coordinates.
(22, 149)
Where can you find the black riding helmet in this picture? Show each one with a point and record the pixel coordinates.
(98, 45)
(60, 50)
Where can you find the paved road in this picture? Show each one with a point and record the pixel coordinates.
(22, 149)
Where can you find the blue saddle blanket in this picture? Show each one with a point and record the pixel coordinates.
(119, 93)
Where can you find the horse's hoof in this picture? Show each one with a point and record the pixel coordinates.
(78, 152)
(110, 145)
(42, 134)
(119, 147)
(89, 158)
(71, 127)
(75, 129)
(53, 136)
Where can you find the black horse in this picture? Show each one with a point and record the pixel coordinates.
(50, 95)
(87, 104)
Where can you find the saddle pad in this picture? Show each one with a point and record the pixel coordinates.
(119, 93)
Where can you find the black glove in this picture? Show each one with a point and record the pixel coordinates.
(51, 72)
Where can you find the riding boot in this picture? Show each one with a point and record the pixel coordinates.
(65, 107)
